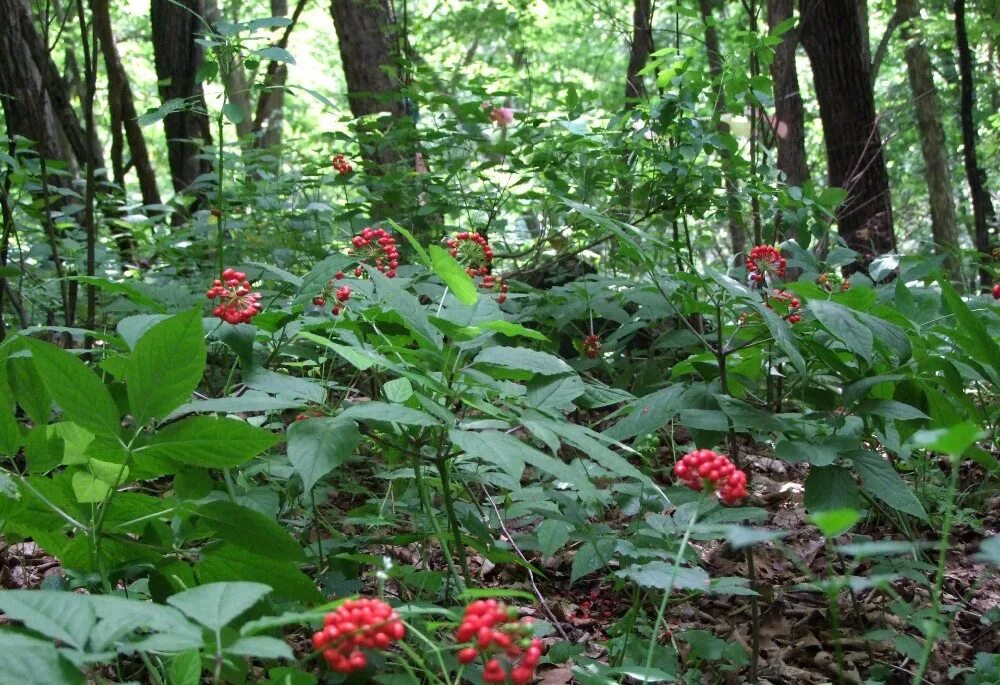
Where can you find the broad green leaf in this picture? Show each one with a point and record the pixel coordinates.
(80, 394)
(132, 328)
(590, 557)
(261, 647)
(29, 661)
(285, 386)
(96, 480)
(524, 359)
(398, 390)
(318, 446)
(209, 442)
(230, 562)
(831, 487)
(28, 388)
(890, 409)
(275, 54)
(841, 322)
(361, 359)
(974, 337)
(552, 534)
(120, 288)
(511, 330)
(835, 522)
(954, 440)
(185, 668)
(388, 413)
(216, 605)
(880, 479)
(661, 575)
(166, 366)
(317, 279)
(62, 616)
(418, 249)
(648, 414)
(453, 275)
(251, 530)
(554, 393)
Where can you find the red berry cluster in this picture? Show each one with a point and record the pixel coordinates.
(378, 245)
(708, 469)
(832, 280)
(592, 346)
(357, 624)
(791, 301)
(237, 303)
(341, 165)
(474, 251)
(996, 292)
(764, 260)
(496, 629)
(492, 282)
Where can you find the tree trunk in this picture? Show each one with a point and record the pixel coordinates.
(737, 233)
(982, 205)
(642, 46)
(789, 114)
(269, 117)
(178, 58)
(834, 39)
(944, 226)
(122, 106)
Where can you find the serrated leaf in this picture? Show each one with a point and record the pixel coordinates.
(209, 442)
(166, 366)
(398, 390)
(62, 616)
(216, 605)
(524, 359)
(841, 322)
(28, 661)
(318, 446)
(80, 394)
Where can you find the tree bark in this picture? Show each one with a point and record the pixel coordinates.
(982, 206)
(737, 232)
(269, 118)
(122, 106)
(789, 113)
(834, 39)
(944, 225)
(642, 46)
(178, 58)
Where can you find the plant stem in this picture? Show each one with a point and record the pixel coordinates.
(425, 500)
(834, 609)
(754, 617)
(658, 624)
(449, 507)
(935, 626)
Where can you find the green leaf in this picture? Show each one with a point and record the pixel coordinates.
(591, 557)
(28, 389)
(360, 359)
(648, 414)
(209, 442)
(316, 280)
(251, 530)
(120, 288)
(552, 534)
(81, 395)
(512, 330)
(989, 550)
(216, 605)
(185, 668)
(417, 247)
(166, 366)
(398, 390)
(880, 479)
(831, 487)
(661, 575)
(954, 440)
(835, 522)
(890, 409)
(842, 323)
(380, 412)
(261, 647)
(28, 661)
(453, 275)
(554, 393)
(318, 446)
(230, 562)
(61, 616)
(523, 359)
(275, 54)
(284, 386)
(233, 112)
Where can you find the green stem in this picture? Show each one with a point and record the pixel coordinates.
(658, 624)
(934, 627)
(449, 507)
(754, 617)
(425, 500)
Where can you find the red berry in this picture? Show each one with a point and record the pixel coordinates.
(467, 655)
(996, 292)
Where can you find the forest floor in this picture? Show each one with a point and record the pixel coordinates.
(795, 637)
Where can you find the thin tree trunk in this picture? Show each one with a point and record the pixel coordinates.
(642, 46)
(737, 232)
(237, 86)
(982, 205)
(834, 39)
(88, 38)
(944, 225)
(122, 104)
(178, 58)
(269, 118)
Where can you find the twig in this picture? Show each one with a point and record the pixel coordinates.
(531, 575)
